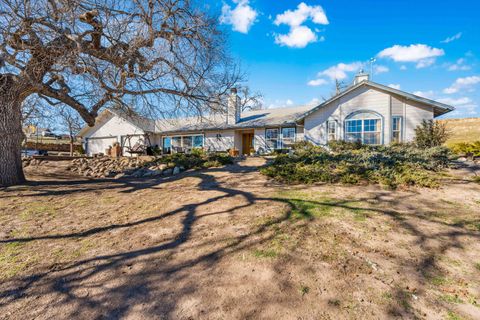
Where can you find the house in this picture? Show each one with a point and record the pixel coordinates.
(366, 111)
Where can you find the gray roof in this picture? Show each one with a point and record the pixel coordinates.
(257, 118)
(248, 119)
(438, 107)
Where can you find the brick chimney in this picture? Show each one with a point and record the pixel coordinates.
(233, 107)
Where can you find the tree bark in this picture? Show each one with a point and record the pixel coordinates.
(11, 135)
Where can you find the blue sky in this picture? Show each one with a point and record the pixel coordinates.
(292, 51)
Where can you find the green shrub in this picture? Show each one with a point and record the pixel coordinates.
(431, 134)
(466, 149)
(392, 166)
(196, 159)
(340, 145)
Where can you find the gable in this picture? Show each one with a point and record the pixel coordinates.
(436, 107)
(111, 125)
(366, 100)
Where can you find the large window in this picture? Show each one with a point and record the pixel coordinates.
(282, 138)
(271, 138)
(365, 127)
(331, 130)
(288, 137)
(397, 129)
(185, 143)
(198, 141)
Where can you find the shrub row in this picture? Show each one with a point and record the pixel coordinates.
(196, 159)
(393, 166)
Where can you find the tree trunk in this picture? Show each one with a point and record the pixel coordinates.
(11, 135)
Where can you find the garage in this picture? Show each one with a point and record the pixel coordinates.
(99, 145)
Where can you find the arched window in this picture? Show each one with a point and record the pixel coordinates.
(364, 126)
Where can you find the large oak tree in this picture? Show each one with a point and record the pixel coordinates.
(161, 55)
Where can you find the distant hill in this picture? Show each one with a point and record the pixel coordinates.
(463, 130)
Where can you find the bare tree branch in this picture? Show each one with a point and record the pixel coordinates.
(87, 54)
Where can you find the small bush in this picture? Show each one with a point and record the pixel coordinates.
(466, 149)
(431, 134)
(392, 166)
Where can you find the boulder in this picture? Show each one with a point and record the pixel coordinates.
(151, 173)
(119, 175)
(176, 170)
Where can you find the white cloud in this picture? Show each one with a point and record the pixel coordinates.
(403, 67)
(317, 82)
(242, 17)
(452, 38)
(394, 86)
(455, 101)
(459, 65)
(301, 14)
(425, 63)
(340, 70)
(300, 35)
(425, 94)
(462, 84)
(337, 72)
(422, 54)
(280, 104)
(380, 69)
(463, 105)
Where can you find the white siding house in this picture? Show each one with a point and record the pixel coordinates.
(109, 129)
(366, 111)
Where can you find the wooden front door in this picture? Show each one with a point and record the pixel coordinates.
(247, 143)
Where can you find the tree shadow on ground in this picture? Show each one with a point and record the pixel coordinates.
(122, 282)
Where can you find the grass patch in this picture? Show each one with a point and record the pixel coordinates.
(108, 200)
(467, 224)
(473, 301)
(35, 209)
(306, 209)
(477, 266)
(438, 281)
(304, 205)
(359, 214)
(76, 253)
(267, 253)
(451, 298)
(11, 260)
(453, 316)
(304, 290)
(387, 296)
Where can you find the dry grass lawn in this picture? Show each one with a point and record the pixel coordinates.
(229, 244)
(463, 130)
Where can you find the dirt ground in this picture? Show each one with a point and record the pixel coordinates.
(227, 243)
